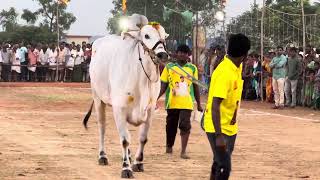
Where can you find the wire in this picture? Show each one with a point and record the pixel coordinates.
(291, 14)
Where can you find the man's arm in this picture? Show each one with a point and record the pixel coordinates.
(220, 141)
(216, 114)
(282, 62)
(272, 63)
(197, 97)
(163, 89)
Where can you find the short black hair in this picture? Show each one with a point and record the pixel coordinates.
(238, 45)
(294, 49)
(184, 49)
(280, 47)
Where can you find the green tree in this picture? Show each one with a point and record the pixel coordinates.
(29, 16)
(279, 28)
(153, 9)
(8, 19)
(48, 12)
(28, 34)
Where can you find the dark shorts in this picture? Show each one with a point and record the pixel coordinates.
(177, 118)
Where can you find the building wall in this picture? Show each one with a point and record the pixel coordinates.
(77, 40)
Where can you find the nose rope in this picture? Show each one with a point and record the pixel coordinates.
(140, 59)
(151, 53)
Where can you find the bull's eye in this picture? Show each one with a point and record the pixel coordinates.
(147, 36)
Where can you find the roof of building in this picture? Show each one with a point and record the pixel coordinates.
(77, 36)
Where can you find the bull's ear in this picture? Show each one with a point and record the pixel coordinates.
(166, 35)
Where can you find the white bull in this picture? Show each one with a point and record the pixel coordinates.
(124, 73)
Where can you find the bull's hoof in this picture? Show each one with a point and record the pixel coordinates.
(103, 161)
(127, 174)
(137, 167)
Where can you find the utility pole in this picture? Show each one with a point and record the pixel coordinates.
(197, 33)
(304, 43)
(304, 29)
(262, 47)
(145, 8)
(58, 39)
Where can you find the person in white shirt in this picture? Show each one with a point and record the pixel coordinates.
(15, 61)
(72, 53)
(43, 62)
(77, 70)
(61, 61)
(52, 59)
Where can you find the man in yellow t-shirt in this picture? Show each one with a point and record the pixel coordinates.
(223, 101)
(180, 95)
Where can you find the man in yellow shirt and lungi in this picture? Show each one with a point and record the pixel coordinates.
(224, 97)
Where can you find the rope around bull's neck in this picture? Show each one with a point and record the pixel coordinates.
(140, 59)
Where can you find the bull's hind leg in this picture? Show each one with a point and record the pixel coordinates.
(120, 117)
(100, 109)
(143, 138)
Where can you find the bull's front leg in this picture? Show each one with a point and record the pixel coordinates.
(143, 138)
(121, 122)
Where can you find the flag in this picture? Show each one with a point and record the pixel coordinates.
(124, 6)
(65, 2)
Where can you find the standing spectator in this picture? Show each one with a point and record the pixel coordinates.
(52, 62)
(22, 51)
(84, 44)
(256, 75)
(61, 62)
(316, 92)
(70, 62)
(277, 65)
(179, 99)
(220, 119)
(220, 53)
(6, 66)
(1, 62)
(294, 70)
(77, 70)
(67, 58)
(15, 60)
(300, 86)
(43, 60)
(311, 71)
(201, 67)
(248, 91)
(86, 63)
(33, 55)
(73, 45)
(268, 76)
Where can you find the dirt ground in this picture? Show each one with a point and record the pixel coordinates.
(41, 137)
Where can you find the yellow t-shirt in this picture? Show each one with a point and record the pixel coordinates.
(226, 83)
(180, 94)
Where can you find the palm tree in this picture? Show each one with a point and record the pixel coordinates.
(8, 19)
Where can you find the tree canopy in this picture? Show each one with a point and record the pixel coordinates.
(154, 11)
(8, 19)
(45, 17)
(282, 23)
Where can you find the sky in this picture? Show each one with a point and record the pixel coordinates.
(92, 15)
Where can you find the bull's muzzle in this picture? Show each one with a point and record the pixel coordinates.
(162, 56)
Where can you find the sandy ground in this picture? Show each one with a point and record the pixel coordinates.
(41, 137)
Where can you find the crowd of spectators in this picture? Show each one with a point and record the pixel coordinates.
(45, 62)
(288, 78)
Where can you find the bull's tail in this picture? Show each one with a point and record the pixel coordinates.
(86, 118)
